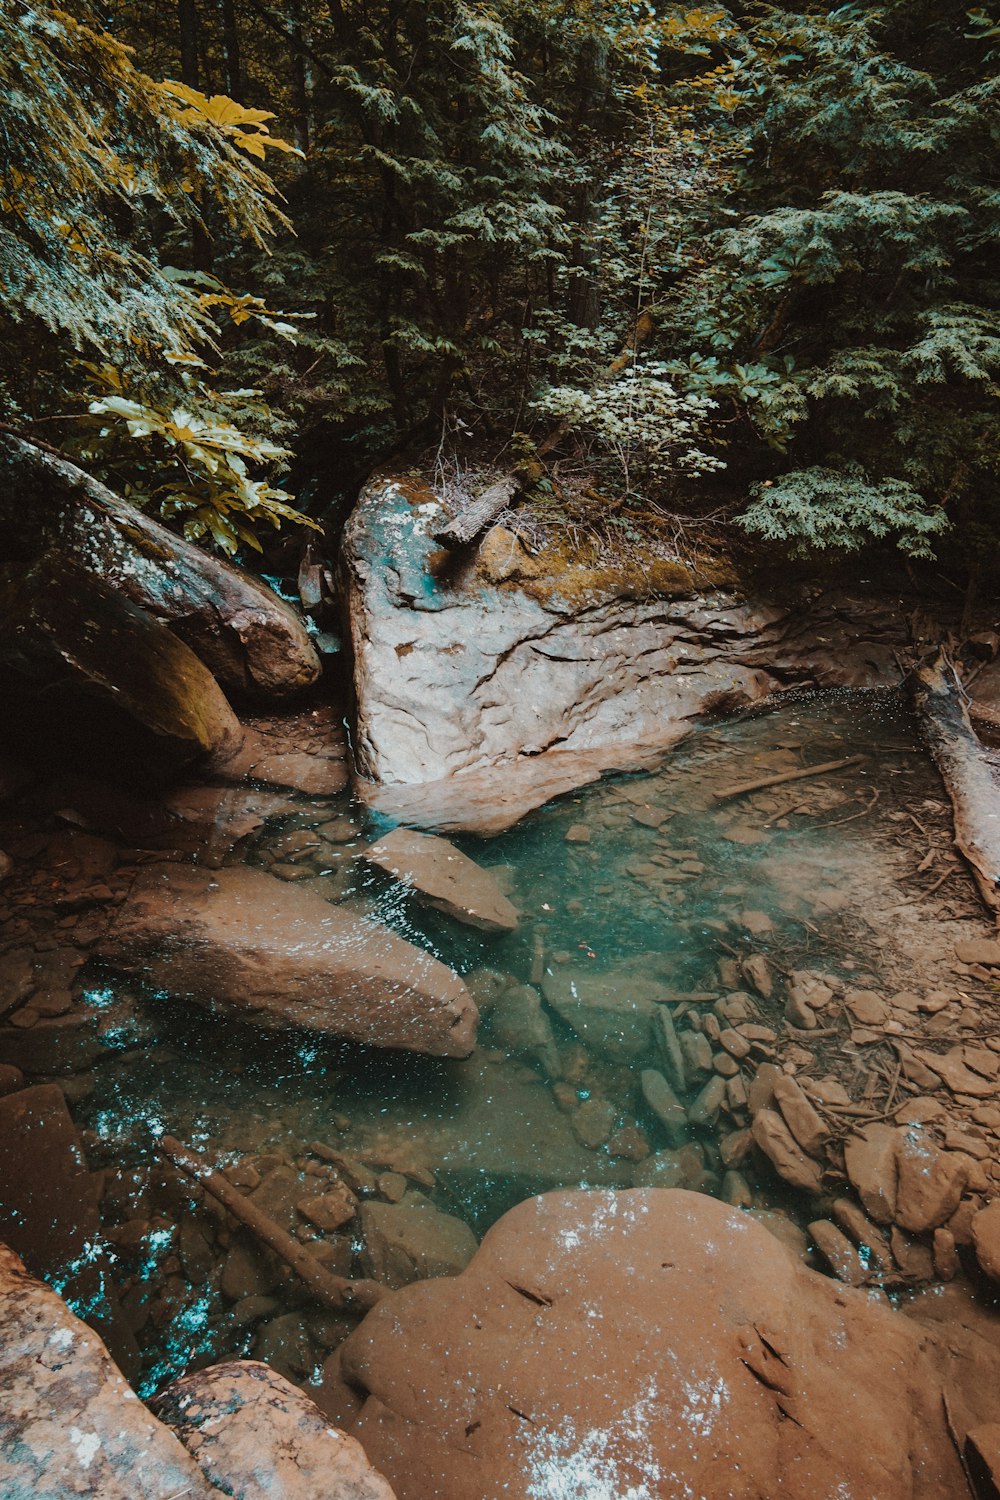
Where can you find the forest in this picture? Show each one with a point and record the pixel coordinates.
(736, 264)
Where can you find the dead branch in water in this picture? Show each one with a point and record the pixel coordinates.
(968, 777)
(742, 787)
(335, 1291)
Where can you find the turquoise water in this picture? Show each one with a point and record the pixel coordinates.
(637, 881)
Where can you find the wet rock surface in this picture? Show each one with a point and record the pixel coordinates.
(445, 878)
(244, 942)
(647, 1342)
(87, 673)
(248, 637)
(69, 1424)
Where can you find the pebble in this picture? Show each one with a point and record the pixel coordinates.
(706, 1106)
(593, 1122)
(803, 1120)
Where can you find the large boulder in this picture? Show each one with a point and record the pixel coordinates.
(254, 1434)
(536, 676)
(252, 640)
(648, 1343)
(87, 673)
(273, 954)
(71, 1427)
(69, 1424)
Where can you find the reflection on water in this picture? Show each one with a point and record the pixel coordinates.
(652, 915)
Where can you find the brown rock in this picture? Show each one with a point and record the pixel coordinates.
(48, 1209)
(803, 1120)
(984, 951)
(444, 878)
(838, 1252)
(871, 1242)
(684, 1168)
(757, 972)
(930, 1181)
(329, 1211)
(705, 1107)
(778, 1144)
(866, 1007)
(250, 639)
(946, 1262)
(985, 1229)
(914, 1259)
(870, 1158)
(407, 1242)
(593, 1122)
(612, 1013)
(253, 1434)
(646, 1343)
(761, 1090)
(88, 675)
(243, 943)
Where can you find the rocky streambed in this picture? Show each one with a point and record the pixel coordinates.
(268, 1060)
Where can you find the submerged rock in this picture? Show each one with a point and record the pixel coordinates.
(444, 878)
(86, 674)
(254, 1434)
(647, 1343)
(411, 1241)
(612, 1013)
(252, 640)
(243, 943)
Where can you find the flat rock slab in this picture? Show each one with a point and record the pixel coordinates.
(445, 878)
(406, 1242)
(254, 1434)
(69, 1424)
(646, 1343)
(242, 943)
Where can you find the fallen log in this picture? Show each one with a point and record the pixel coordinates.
(740, 788)
(334, 1291)
(481, 512)
(970, 780)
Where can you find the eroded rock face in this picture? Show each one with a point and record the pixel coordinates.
(457, 676)
(254, 1434)
(252, 640)
(444, 878)
(243, 943)
(646, 1343)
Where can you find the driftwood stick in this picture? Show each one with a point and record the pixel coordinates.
(740, 788)
(335, 1291)
(481, 512)
(969, 779)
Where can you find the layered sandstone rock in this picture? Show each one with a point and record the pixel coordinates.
(648, 1343)
(463, 671)
(444, 878)
(242, 943)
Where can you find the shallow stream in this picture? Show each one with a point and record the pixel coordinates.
(647, 887)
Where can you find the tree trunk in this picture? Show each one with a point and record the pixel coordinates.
(187, 16)
(231, 48)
